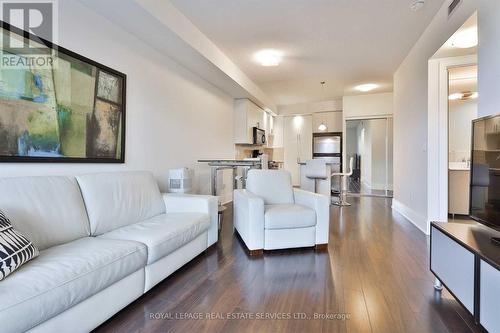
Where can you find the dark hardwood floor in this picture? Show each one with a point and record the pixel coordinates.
(375, 273)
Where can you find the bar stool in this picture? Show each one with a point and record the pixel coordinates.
(316, 169)
(343, 184)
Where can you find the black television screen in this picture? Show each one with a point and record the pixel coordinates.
(485, 171)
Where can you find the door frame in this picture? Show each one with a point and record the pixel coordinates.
(437, 135)
(386, 116)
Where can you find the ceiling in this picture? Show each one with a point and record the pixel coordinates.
(462, 79)
(342, 42)
(447, 49)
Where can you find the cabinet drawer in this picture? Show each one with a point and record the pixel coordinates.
(454, 266)
(489, 299)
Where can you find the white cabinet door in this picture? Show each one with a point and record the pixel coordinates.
(277, 130)
(489, 297)
(334, 121)
(246, 116)
(454, 266)
(306, 139)
(297, 144)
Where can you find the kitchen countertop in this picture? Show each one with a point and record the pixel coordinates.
(229, 162)
(329, 163)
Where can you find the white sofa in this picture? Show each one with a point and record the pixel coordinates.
(270, 214)
(104, 239)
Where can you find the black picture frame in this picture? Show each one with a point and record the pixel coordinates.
(101, 67)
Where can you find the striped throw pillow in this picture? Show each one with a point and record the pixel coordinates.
(15, 249)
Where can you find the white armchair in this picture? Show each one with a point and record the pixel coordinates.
(270, 214)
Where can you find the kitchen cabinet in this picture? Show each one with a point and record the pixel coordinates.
(332, 120)
(246, 116)
(492, 125)
(297, 144)
(276, 132)
(458, 189)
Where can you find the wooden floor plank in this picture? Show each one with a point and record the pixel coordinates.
(375, 273)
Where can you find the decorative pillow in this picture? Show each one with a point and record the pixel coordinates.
(15, 249)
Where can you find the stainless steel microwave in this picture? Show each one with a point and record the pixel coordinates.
(259, 136)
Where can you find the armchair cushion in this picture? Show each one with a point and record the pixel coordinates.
(288, 216)
(273, 186)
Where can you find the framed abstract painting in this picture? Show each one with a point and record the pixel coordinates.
(58, 106)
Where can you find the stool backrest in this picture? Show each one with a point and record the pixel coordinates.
(316, 169)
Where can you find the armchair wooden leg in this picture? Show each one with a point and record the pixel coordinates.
(321, 247)
(256, 253)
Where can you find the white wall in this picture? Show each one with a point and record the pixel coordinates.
(488, 57)
(368, 105)
(173, 116)
(461, 114)
(363, 107)
(410, 113)
(313, 107)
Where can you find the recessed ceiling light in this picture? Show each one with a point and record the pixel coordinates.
(269, 57)
(465, 39)
(366, 87)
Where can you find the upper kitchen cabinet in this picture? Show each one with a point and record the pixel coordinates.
(246, 116)
(332, 121)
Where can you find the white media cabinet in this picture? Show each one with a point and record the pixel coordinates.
(467, 263)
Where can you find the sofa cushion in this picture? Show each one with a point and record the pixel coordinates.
(63, 276)
(163, 234)
(117, 199)
(48, 210)
(15, 249)
(288, 217)
(273, 186)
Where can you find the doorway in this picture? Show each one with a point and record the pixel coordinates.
(439, 153)
(369, 145)
(462, 110)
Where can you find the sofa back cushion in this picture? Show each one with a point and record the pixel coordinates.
(49, 211)
(118, 199)
(274, 186)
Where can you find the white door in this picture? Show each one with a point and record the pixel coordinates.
(297, 144)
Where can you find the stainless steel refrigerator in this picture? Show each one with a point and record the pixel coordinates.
(328, 147)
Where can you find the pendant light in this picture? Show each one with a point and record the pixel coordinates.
(322, 127)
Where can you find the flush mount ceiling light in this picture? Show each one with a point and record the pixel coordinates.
(268, 57)
(322, 127)
(465, 39)
(366, 87)
(463, 96)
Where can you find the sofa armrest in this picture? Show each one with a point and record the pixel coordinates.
(321, 204)
(248, 212)
(207, 204)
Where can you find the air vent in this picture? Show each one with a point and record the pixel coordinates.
(454, 4)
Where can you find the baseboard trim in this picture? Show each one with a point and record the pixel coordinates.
(415, 218)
